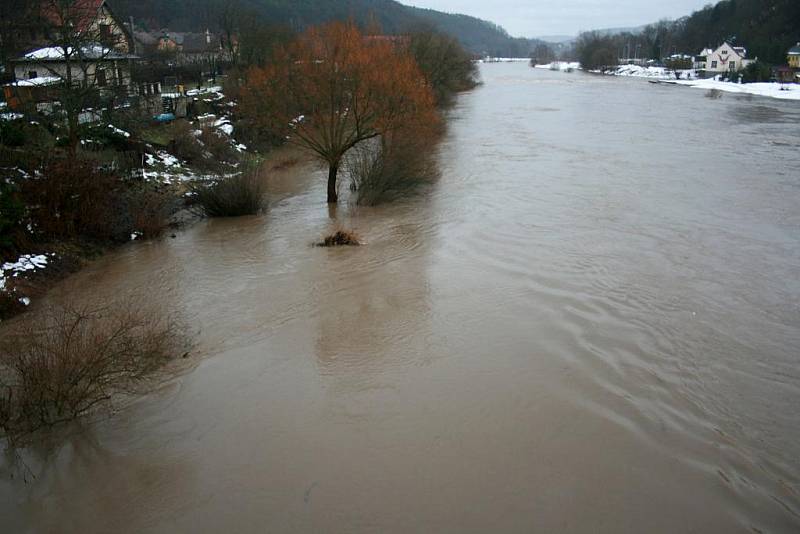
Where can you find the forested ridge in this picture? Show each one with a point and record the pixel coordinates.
(478, 36)
(766, 27)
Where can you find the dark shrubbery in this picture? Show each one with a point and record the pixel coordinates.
(203, 148)
(12, 133)
(12, 214)
(183, 143)
(596, 51)
(74, 198)
(232, 196)
(756, 72)
(447, 66)
(59, 365)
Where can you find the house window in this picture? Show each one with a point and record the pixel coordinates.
(105, 32)
(120, 79)
(732, 65)
(33, 74)
(101, 78)
(713, 64)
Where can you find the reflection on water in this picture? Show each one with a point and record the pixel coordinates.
(589, 323)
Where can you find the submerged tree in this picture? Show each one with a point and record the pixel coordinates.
(334, 88)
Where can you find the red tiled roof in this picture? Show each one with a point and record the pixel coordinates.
(80, 12)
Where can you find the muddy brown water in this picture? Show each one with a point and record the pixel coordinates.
(590, 323)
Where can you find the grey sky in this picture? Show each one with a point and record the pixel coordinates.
(530, 18)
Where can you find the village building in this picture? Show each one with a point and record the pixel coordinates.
(101, 55)
(93, 65)
(725, 58)
(793, 57)
(701, 59)
(86, 17)
(187, 48)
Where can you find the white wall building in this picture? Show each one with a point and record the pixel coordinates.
(92, 65)
(726, 58)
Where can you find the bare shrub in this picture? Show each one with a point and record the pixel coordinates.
(340, 238)
(183, 142)
(71, 197)
(76, 198)
(9, 302)
(232, 196)
(714, 94)
(150, 210)
(217, 146)
(61, 364)
(390, 167)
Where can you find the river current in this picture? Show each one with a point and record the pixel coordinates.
(589, 323)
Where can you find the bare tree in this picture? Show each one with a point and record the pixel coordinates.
(336, 88)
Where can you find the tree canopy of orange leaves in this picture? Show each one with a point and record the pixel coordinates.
(333, 88)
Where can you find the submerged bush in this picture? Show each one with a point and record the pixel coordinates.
(390, 167)
(232, 196)
(340, 238)
(713, 94)
(61, 364)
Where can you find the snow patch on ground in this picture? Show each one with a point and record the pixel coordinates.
(26, 263)
(162, 158)
(772, 90)
(117, 131)
(227, 128)
(205, 90)
(503, 59)
(656, 73)
(11, 116)
(559, 66)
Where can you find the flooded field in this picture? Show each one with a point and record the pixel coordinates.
(589, 323)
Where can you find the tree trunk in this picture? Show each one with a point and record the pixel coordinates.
(73, 122)
(333, 171)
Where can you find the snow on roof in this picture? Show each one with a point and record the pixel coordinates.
(41, 81)
(57, 53)
(795, 50)
(50, 52)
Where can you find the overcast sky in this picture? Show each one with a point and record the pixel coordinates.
(531, 18)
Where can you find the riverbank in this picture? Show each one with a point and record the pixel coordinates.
(772, 90)
(135, 174)
(688, 78)
(29, 276)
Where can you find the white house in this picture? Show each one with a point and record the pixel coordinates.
(700, 59)
(726, 58)
(91, 64)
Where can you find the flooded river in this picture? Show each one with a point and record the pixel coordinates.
(589, 323)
